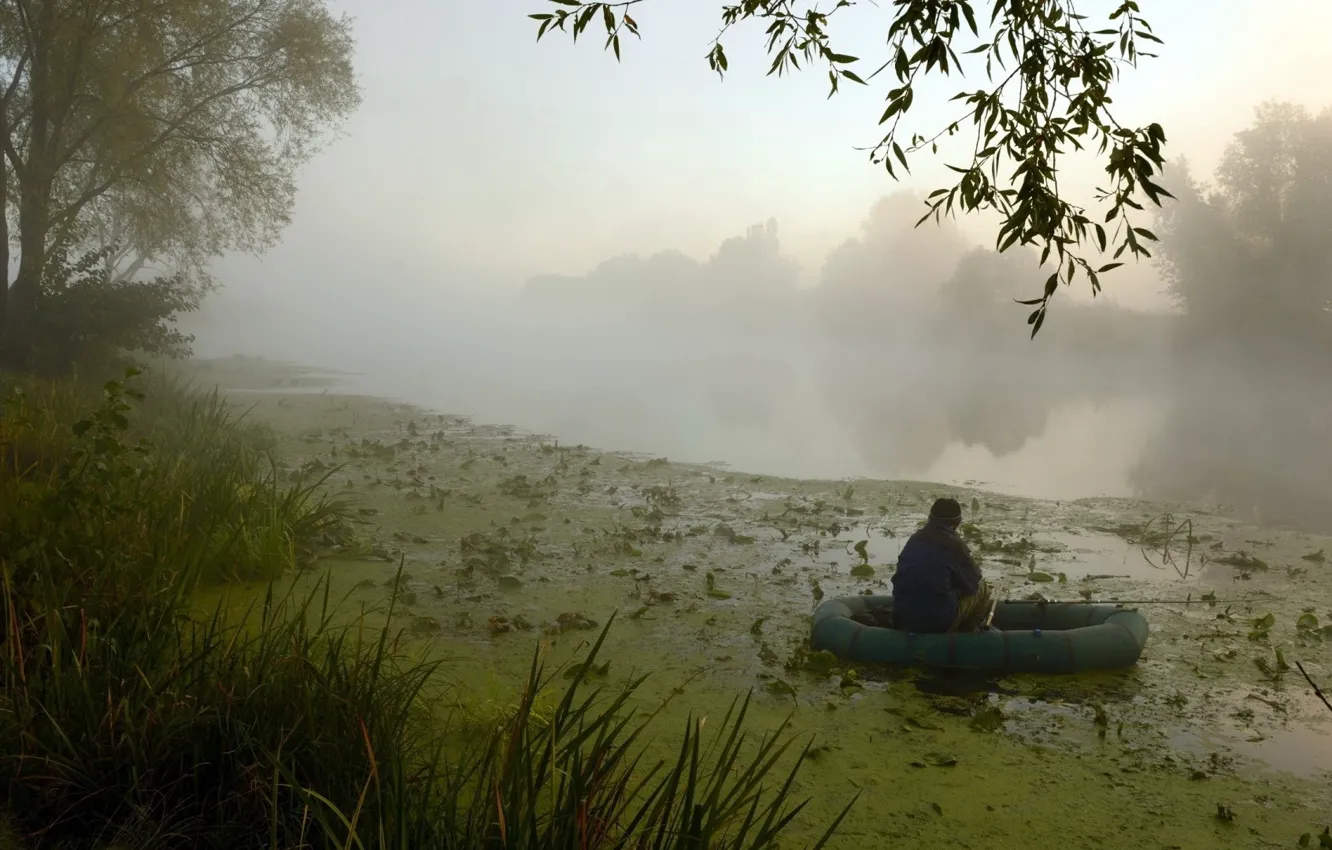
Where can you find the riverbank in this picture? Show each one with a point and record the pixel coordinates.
(501, 535)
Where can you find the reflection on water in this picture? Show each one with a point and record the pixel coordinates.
(959, 683)
(1093, 553)
(798, 407)
(1284, 729)
(1085, 449)
(1302, 750)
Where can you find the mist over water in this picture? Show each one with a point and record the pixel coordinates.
(873, 372)
(760, 411)
(901, 356)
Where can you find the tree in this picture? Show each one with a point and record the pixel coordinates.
(174, 125)
(1049, 79)
(1246, 417)
(1246, 258)
(886, 271)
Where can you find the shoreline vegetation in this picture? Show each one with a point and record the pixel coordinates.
(304, 620)
(129, 723)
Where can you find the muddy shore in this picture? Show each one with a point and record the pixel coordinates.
(1212, 740)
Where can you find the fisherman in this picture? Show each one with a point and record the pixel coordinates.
(938, 586)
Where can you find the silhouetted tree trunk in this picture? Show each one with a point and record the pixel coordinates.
(4, 226)
(35, 184)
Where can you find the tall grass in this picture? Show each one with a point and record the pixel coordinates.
(186, 489)
(126, 722)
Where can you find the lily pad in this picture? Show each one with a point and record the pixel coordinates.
(597, 670)
(917, 723)
(935, 760)
(1261, 626)
(1039, 576)
(988, 719)
(820, 663)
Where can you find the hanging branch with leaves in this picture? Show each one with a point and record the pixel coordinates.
(1048, 76)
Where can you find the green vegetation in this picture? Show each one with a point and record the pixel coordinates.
(127, 720)
(151, 136)
(1049, 72)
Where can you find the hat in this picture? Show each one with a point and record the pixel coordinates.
(946, 509)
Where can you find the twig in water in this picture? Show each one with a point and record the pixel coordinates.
(1312, 684)
(1171, 531)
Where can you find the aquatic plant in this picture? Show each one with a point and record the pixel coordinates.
(125, 720)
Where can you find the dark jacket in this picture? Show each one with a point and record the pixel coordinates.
(934, 569)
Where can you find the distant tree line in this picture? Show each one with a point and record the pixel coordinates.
(1049, 68)
(1240, 364)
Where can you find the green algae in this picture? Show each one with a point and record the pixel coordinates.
(1150, 752)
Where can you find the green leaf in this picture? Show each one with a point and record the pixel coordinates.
(901, 157)
(1040, 320)
(1046, 47)
(971, 18)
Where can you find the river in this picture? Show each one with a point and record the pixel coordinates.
(775, 403)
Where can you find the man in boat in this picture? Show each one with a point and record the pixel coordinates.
(938, 586)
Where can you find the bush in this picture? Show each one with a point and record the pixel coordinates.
(86, 316)
(126, 722)
(189, 490)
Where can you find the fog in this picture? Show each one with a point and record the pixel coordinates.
(707, 271)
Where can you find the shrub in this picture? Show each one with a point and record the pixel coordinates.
(86, 316)
(188, 495)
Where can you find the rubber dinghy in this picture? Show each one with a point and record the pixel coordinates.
(1031, 637)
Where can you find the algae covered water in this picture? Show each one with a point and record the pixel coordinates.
(506, 538)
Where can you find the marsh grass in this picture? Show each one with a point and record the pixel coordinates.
(186, 487)
(127, 722)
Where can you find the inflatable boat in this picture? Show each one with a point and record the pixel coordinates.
(1027, 637)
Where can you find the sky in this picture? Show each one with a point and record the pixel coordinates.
(480, 157)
